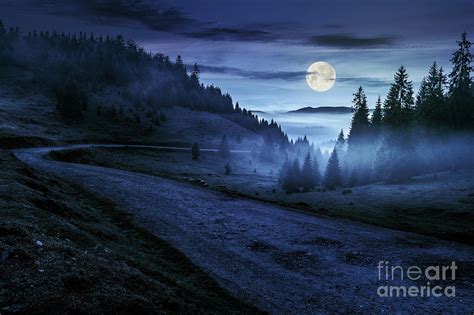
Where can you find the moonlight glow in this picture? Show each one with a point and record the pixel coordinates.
(321, 76)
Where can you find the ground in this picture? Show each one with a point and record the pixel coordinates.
(275, 258)
(75, 239)
(63, 249)
(441, 206)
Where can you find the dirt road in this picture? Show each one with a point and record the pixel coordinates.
(279, 260)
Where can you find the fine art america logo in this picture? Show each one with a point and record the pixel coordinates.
(416, 281)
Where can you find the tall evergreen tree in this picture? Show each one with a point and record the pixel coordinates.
(224, 149)
(376, 120)
(179, 63)
(316, 171)
(460, 85)
(195, 76)
(291, 180)
(307, 174)
(2, 28)
(341, 141)
(430, 100)
(71, 99)
(398, 106)
(360, 120)
(332, 178)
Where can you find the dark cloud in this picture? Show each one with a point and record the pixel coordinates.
(351, 41)
(146, 12)
(233, 34)
(291, 76)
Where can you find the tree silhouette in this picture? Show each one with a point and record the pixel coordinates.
(332, 178)
(307, 174)
(430, 100)
(360, 119)
(2, 29)
(71, 99)
(291, 180)
(195, 76)
(341, 140)
(460, 84)
(398, 106)
(376, 120)
(316, 171)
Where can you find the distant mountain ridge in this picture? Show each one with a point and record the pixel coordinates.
(324, 109)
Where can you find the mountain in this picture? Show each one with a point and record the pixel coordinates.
(324, 109)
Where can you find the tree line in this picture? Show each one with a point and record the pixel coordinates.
(73, 68)
(406, 134)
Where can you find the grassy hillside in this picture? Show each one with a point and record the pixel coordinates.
(440, 206)
(63, 249)
(94, 80)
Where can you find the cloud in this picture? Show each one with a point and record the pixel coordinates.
(291, 76)
(233, 34)
(146, 12)
(259, 75)
(351, 41)
(365, 81)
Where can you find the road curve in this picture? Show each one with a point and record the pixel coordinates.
(278, 260)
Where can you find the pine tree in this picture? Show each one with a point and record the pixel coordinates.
(196, 151)
(460, 86)
(398, 106)
(332, 178)
(430, 100)
(179, 64)
(341, 140)
(291, 180)
(237, 108)
(316, 171)
(195, 76)
(70, 99)
(307, 174)
(376, 120)
(224, 149)
(360, 120)
(2, 29)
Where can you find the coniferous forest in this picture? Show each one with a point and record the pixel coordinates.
(75, 68)
(406, 135)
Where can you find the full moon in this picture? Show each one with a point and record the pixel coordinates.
(321, 76)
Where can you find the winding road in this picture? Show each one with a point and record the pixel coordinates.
(279, 260)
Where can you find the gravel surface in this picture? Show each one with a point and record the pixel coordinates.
(279, 260)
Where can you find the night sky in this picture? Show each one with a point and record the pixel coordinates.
(259, 50)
